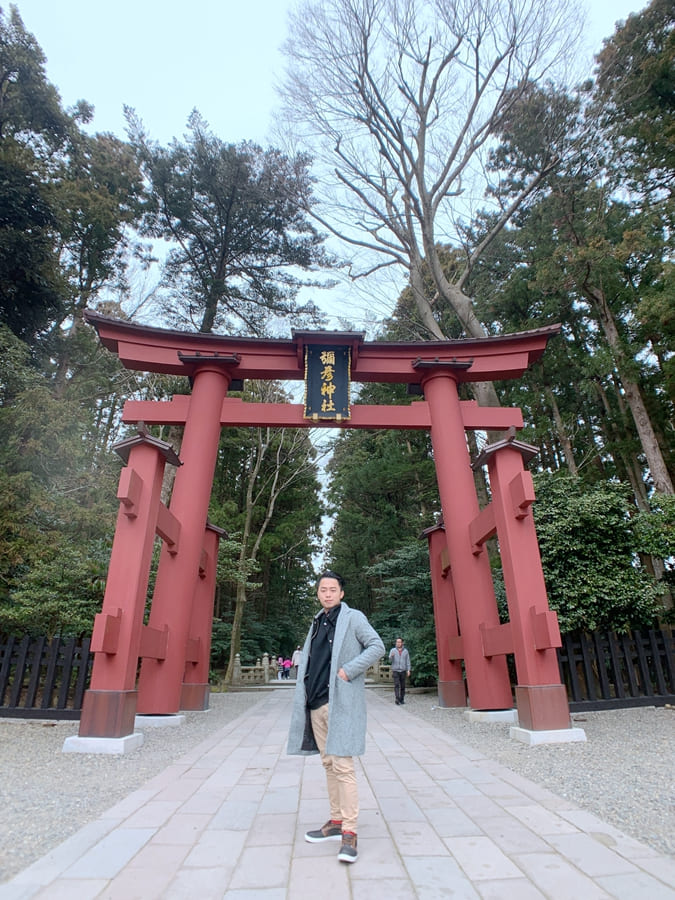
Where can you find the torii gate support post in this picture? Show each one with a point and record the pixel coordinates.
(109, 706)
(161, 679)
(487, 678)
(451, 684)
(532, 633)
(195, 687)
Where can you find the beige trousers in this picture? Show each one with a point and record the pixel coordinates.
(343, 794)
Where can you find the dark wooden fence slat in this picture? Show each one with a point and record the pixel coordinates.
(570, 647)
(35, 672)
(6, 667)
(51, 674)
(66, 672)
(83, 675)
(617, 670)
(627, 646)
(668, 660)
(562, 665)
(643, 665)
(19, 671)
(599, 645)
(656, 661)
(587, 658)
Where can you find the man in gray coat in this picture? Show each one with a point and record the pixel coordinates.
(329, 706)
(400, 667)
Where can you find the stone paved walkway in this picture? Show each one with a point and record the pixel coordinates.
(438, 820)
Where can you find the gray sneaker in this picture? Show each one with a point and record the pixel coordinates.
(348, 852)
(331, 831)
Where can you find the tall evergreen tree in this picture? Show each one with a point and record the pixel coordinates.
(33, 129)
(239, 238)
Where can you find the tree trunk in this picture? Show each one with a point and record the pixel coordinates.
(235, 639)
(565, 442)
(648, 440)
(249, 555)
(175, 439)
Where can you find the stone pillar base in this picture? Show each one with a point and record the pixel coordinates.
(492, 715)
(126, 744)
(556, 736)
(108, 714)
(451, 694)
(194, 696)
(542, 707)
(159, 722)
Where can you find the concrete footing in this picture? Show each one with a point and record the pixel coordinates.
(554, 736)
(158, 721)
(492, 715)
(126, 744)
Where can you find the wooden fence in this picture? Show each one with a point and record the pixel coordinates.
(604, 670)
(41, 678)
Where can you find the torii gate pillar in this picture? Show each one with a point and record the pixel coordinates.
(451, 684)
(160, 683)
(195, 687)
(109, 706)
(488, 678)
(532, 633)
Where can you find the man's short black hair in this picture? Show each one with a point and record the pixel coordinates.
(330, 574)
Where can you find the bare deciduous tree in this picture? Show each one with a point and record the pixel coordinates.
(401, 101)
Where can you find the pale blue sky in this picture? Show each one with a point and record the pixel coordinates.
(163, 58)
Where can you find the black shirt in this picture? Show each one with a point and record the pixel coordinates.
(317, 676)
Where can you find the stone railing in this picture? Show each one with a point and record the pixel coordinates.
(380, 673)
(265, 670)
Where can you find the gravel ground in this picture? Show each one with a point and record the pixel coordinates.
(623, 773)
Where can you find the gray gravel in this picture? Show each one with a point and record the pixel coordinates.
(623, 773)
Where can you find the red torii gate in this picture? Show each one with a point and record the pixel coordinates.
(174, 646)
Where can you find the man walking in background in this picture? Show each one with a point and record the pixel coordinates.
(329, 706)
(400, 667)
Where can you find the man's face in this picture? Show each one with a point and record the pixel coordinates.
(329, 592)
(399, 643)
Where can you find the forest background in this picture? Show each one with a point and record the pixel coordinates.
(442, 142)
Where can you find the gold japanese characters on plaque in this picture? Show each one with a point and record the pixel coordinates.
(327, 377)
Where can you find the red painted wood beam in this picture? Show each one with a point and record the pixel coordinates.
(240, 412)
(160, 350)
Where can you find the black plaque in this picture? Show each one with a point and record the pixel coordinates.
(327, 377)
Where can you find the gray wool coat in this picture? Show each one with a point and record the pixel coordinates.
(356, 647)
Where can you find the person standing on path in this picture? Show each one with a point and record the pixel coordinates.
(329, 706)
(400, 667)
(295, 659)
